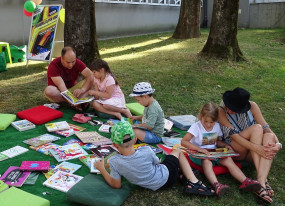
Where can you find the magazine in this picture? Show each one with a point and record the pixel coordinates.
(67, 167)
(93, 137)
(68, 132)
(40, 140)
(14, 151)
(72, 141)
(62, 181)
(45, 148)
(55, 126)
(23, 125)
(14, 176)
(67, 152)
(73, 100)
(155, 149)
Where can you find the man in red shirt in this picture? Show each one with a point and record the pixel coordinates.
(62, 74)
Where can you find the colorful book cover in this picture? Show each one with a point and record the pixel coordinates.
(32, 178)
(103, 150)
(14, 151)
(45, 148)
(93, 169)
(14, 176)
(87, 159)
(155, 149)
(105, 128)
(73, 129)
(166, 149)
(171, 141)
(73, 100)
(55, 126)
(3, 157)
(72, 141)
(62, 181)
(93, 137)
(67, 152)
(40, 140)
(35, 165)
(23, 125)
(63, 167)
(88, 146)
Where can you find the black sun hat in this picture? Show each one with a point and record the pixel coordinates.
(237, 100)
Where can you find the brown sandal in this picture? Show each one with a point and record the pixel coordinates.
(269, 190)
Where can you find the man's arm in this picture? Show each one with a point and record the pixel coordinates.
(58, 81)
(88, 75)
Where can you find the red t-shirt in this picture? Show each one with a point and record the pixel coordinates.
(69, 76)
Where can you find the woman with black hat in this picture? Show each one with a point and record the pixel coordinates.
(245, 129)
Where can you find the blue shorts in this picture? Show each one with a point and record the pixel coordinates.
(151, 138)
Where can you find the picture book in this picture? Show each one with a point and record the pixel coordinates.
(105, 128)
(103, 150)
(42, 139)
(72, 141)
(32, 178)
(67, 152)
(93, 137)
(73, 100)
(68, 132)
(14, 151)
(88, 146)
(112, 122)
(55, 126)
(214, 154)
(155, 149)
(93, 169)
(23, 125)
(3, 157)
(62, 181)
(3, 186)
(171, 141)
(87, 159)
(63, 167)
(14, 176)
(45, 148)
(35, 165)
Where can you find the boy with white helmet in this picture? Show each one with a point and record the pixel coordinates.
(152, 127)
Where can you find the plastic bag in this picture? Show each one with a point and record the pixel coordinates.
(2, 62)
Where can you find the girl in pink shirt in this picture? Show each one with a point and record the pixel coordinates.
(107, 92)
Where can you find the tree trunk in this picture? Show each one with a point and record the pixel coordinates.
(80, 29)
(188, 25)
(222, 40)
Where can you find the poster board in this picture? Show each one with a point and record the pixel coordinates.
(43, 32)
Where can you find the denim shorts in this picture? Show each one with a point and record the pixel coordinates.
(151, 138)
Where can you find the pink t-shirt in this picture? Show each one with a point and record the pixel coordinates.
(108, 81)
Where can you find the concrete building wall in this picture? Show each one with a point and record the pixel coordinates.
(267, 15)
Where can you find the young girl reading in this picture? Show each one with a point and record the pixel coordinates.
(204, 135)
(107, 92)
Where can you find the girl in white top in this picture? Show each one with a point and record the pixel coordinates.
(204, 135)
(107, 92)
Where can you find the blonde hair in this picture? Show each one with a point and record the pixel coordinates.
(209, 110)
(128, 143)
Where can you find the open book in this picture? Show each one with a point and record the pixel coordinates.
(73, 100)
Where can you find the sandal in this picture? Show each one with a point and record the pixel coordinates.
(220, 189)
(183, 180)
(269, 190)
(198, 188)
(264, 195)
(250, 185)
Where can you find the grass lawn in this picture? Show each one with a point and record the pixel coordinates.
(183, 82)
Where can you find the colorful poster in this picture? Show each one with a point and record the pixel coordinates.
(42, 33)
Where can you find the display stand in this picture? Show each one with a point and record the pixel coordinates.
(43, 33)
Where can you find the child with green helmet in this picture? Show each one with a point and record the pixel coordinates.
(142, 166)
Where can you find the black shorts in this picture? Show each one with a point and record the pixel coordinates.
(172, 164)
